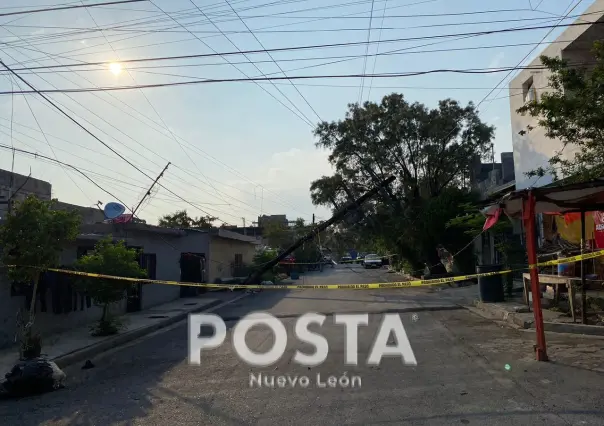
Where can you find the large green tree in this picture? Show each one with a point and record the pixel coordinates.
(429, 151)
(32, 238)
(572, 111)
(182, 220)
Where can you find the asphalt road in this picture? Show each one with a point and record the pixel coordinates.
(469, 371)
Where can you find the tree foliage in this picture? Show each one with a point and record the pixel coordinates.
(429, 151)
(108, 258)
(32, 237)
(182, 220)
(573, 113)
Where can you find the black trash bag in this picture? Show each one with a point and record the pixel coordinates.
(35, 376)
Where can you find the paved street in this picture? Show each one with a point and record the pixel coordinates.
(461, 376)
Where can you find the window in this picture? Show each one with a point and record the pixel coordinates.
(238, 260)
(148, 261)
(529, 92)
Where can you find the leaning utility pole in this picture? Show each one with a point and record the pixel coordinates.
(150, 188)
(255, 276)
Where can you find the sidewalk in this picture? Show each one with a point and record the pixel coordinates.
(517, 314)
(78, 345)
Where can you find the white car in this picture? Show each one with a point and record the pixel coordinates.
(372, 261)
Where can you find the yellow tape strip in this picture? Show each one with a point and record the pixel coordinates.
(398, 284)
(571, 259)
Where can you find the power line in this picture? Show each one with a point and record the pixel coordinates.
(189, 185)
(152, 125)
(362, 86)
(298, 112)
(308, 47)
(263, 28)
(256, 79)
(52, 9)
(96, 137)
(377, 51)
(66, 165)
(345, 29)
(299, 59)
(155, 110)
(529, 53)
(273, 59)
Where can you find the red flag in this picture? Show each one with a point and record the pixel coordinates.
(491, 219)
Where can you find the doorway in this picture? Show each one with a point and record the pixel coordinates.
(193, 270)
(134, 294)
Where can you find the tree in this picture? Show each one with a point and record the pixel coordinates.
(429, 151)
(32, 238)
(572, 111)
(182, 220)
(108, 258)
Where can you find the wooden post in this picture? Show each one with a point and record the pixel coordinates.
(531, 249)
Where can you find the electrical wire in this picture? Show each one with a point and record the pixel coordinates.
(255, 79)
(144, 146)
(309, 47)
(362, 85)
(143, 69)
(268, 27)
(273, 59)
(529, 53)
(53, 9)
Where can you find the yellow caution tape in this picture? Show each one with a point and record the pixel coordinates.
(369, 286)
(571, 259)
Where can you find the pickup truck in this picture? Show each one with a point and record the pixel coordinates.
(372, 261)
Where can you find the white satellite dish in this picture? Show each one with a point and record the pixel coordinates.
(113, 210)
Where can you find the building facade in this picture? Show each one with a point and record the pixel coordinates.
(166, 254)
(533, 149)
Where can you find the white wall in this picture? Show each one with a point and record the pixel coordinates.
(534, 149)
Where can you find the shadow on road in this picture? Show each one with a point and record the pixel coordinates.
(125, 385)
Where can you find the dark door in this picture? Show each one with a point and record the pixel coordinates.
(134, 294)
(192, 270)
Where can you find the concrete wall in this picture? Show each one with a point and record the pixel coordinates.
(534, 149)
(89, 214)
(222, 256)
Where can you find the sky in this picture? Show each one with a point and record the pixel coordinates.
(237, 149)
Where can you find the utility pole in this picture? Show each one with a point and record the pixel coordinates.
(150, 188)
(313, 218)
(244, 230)
(255, 276)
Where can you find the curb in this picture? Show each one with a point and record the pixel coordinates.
(495, 312)
(556, 327)
(96, 348)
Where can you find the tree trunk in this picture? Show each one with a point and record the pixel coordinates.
(104, 316)
(32, 305)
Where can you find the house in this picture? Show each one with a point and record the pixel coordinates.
(534, 149)
(166, 253)
(492, 181)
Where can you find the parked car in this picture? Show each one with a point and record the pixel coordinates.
(372, 261)
(346, 259)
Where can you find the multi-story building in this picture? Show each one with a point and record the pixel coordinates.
(533, 149)
(17, 187)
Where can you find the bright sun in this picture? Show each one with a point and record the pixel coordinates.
(115, 68)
